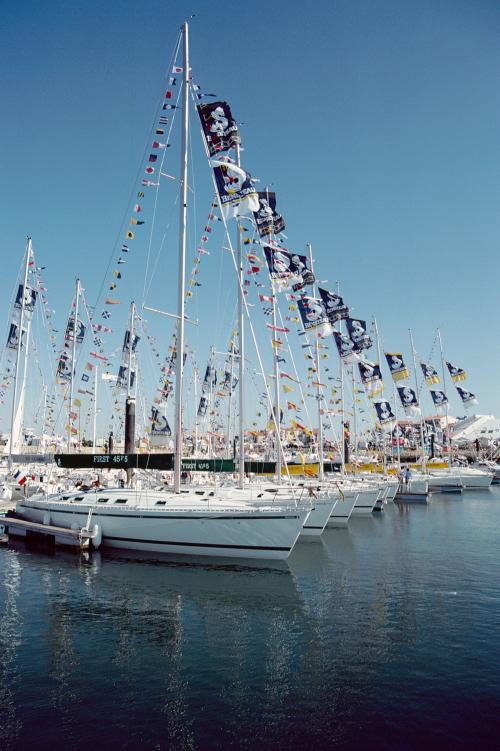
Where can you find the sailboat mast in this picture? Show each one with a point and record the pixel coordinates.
(179, 370)
(448, 440)
(277, 405)
(416, 392)
(96, 375)
(321, 463)
(394, 395)
(241, 339)
(18, 354)
(195, 385)
(44, 415)
(230, 403)
(343, 438)
(130, 345)
(73, 361)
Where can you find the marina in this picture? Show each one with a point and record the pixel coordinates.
(249, 457)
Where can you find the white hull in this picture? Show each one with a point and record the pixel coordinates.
(476, 480)
(470, 479)
(210, 529)
(343, 509)
(318, 519)
(366, 502)
(444, 482)
(392, 490)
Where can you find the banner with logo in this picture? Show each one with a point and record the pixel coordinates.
(356, 328)
(288, 268)
(237, 193)
(398, 369)
(335, 307)
(267, 219)
(219, 126)
(430, 374)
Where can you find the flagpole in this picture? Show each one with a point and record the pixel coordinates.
(179, 371)
(241, 341)
(19, 343)
(416, 392)
(73, 361)
(448, 439)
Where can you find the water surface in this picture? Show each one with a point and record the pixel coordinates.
(383, 636)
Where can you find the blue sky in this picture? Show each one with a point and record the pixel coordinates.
(375, 123)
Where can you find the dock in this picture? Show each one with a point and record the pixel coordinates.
(46, 533)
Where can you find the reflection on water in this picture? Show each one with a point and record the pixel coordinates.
(385, 630)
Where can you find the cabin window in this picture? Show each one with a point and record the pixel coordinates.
(121, 500)
(65, 497)
(78, 498)
(103, 500)
(160, 503)
(199, 492)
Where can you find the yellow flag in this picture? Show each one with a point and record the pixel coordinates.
(287, 389)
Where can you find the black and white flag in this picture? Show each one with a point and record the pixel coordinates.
(467, 397)
(313, 315)
(384, 412)
(345, 347)
(80, 330)
(409, 401)
(288, 268)
(371, 377)
(396, 364)
(439, 398)
(219, 127)
(29, 298)
(122, 380)
(335, 307)
(267, 219)
(159, 423)
(430, 374)
(13, 337)
(236, 190)
(356, 328)
(127, 342)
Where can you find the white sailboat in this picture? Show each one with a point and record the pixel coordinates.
(204, 521)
